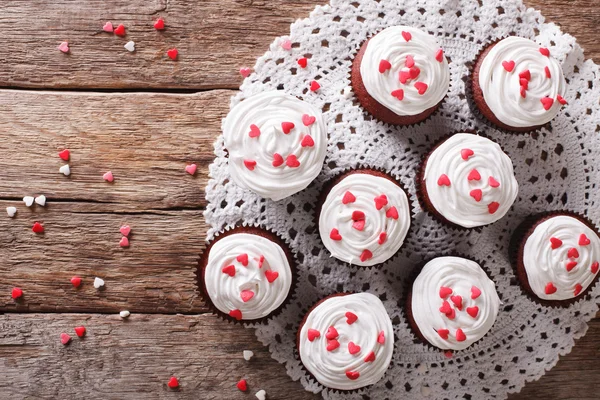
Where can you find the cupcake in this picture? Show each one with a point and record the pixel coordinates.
(400, 76)
(452, 303)
(364, 217)
(246, 274)
(517, 85)
(467, 181)
(346, 341)
(557, 257)
(276, 144)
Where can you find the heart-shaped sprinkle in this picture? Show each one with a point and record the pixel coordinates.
(242, 385)
(555, 243)
(381, 338)
(332, 333)
(124, 242)
(173, 383)
(473, 311)
(421, 87)
(509, 66)
(261, 261)
(550, 288)
(475, 292)
(287, 127)
(108, 27)
(406, 35)
(28, 200)
(594, 267)
(445, 292)
(76, 281)
(578, 289)
(245, 72)
(392, 212)
(271, 275)
(292, 161)
(466, 153)
(237, 314)
(303, 62)
(443, 180)
(41, 200)
(286, 44)
(65, 155)
(493, 182)
(359, 225)
(314, 86)
(545, 51)
(448, 354)
(561, 100)
(443, 333)
(120, 30)
(277, 160)
(229, 270)
(353, 348)
(474, 175)
(547, 71)
(384, 65)
(37, 228)
(98, 283)
(358, 215)
(370, 357)
(570, 265)
(335, 235)
(410, 61)
(573, 253)
(65, 339)
(525, 75)
(125, 230)
(16, 293)
(191, 169)
(477, 194)
(243, 259)
(308, 120)
(80, 331)
(366, 255)
(11, 211)
(446, 308)
(583, 240)
(451, 314)
(439, 55)
(172, 54)
(547, 102)
(313, 334)
(250, 164)
(457, 300)
(523, 92)
(348, 198)
(108, 177)
(493, 207)
(246, 295)
(64, 47)
(261, 395)
(307, 141)
(130, 46)
(382, 238)
(381, 201)
(65, 170)
(399, 94)
(159, 25)
(460, 335)
(403, 76)
(332, 345)
(124, 314)
(351, 318)
(353, 375)
(414, 72)
(524, 83)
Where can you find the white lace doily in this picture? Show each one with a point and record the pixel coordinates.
(557, 168)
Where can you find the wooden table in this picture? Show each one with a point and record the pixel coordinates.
(144, 117)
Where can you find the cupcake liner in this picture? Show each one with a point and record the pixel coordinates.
(331, 182)
(259, 230)
(517, 244)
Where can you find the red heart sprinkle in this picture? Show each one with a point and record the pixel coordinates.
(578, 289)
(366, 255)
(493, 182)
(443, 180)
(250, 164)
(583, 240)
(125, 230)
(392, 212)
(37, 228)
(421, 87)
(335, 235)
(332, 333)
(545, 51)
(381, 201)
(173, 383)
(384, 65)
(65, 339)
(524, 83)
(254, 131)
(403, 77)
(287, 127)
(243, 259)
(382, 238)
(475, 292)
(381, 338)
(359, 225)
(313, 334)
(451, 314)
(399, 94)
(120, 30)
(443, 333)
(571, 265)
(466, 153)
(159, 24)
(261, 261)
(80, 331)
(370, 357)
(594, 267)
(76, 281)
(460, 335)
(271, 275)
(314, 86)
(410, 61)
(547, 71)
(353, 348)
(332, 345)
(414, 72)
(550, 288)
(477, 194)
(493, 207)
(525, 75)
(65, 154)
(473, 311)
(124, 242)
(573, 253)
(353, 375)
(358, 215)
(508, 65)
(523, 92)
(457, 300)
(308, 120)
(351, 318)
(245, 72)
(448, 354)
(446, 308)
(474, 175)
(242, 385)
(277, 160)
(292, 161)
(547, 102)
(445, 292)
(172, 53)
(303, 62)
(406, 35)
(16, 293)
(439, 55)
(348, 198)
(246, 295)
(229, 270)
(307, 141)
(237, 314)
(561, 100)
(555, 243)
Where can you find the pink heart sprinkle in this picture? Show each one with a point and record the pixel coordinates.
(64, 47)
(124, 242)
(384, 65)
(191, 169)
(308, 120)
(421, 87)
(125, 230)
(307, 141)
(399, 94)
(509, 66)
(108, 27)
(245, 72)
(254, 131)
(65, 339)
(286, 44)
(407, 36)
(246, 295)
(277, 160)
(410, 61)
(108, 177)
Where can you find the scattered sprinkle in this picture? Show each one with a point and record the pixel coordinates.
(124, 314)
(130, 46)
(80, 331)
(16, 293)
(173, 383)
(422, 368)
(509, 66)
(124, 242)
(242, 385)
(38, 228)
(425, 390)
(286, 44)
(65, 339)
(303, 62)
(120, 30)
(28, 200)
(245, 72)
(11, 211)
(172, 53)
(64, 47)
(406, 35)
(261, 395)
(248, 354)
(76, 281)
(347, 92)
(41, 200)
(65, 154)
(98, 282)
(65, 170)
(159, 25)
(108, 177)
(125, 230)
(314, 86)
(108, 27)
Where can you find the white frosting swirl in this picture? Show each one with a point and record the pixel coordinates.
(356, 243)
(225, 291)
(547, 265)
(502, 89)
(458, 202)
(372, 326)
(458, 277)
(391, 45)
(254, 132)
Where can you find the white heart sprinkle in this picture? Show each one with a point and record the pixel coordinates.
(248, 354)
(130, 46)
(65, 170)
(422, 368)
(98, 283)
(425, 390)
(11, 211)
(41, 200)
(347, 92)
(124, 314)
(28, 200)
(261, 395)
